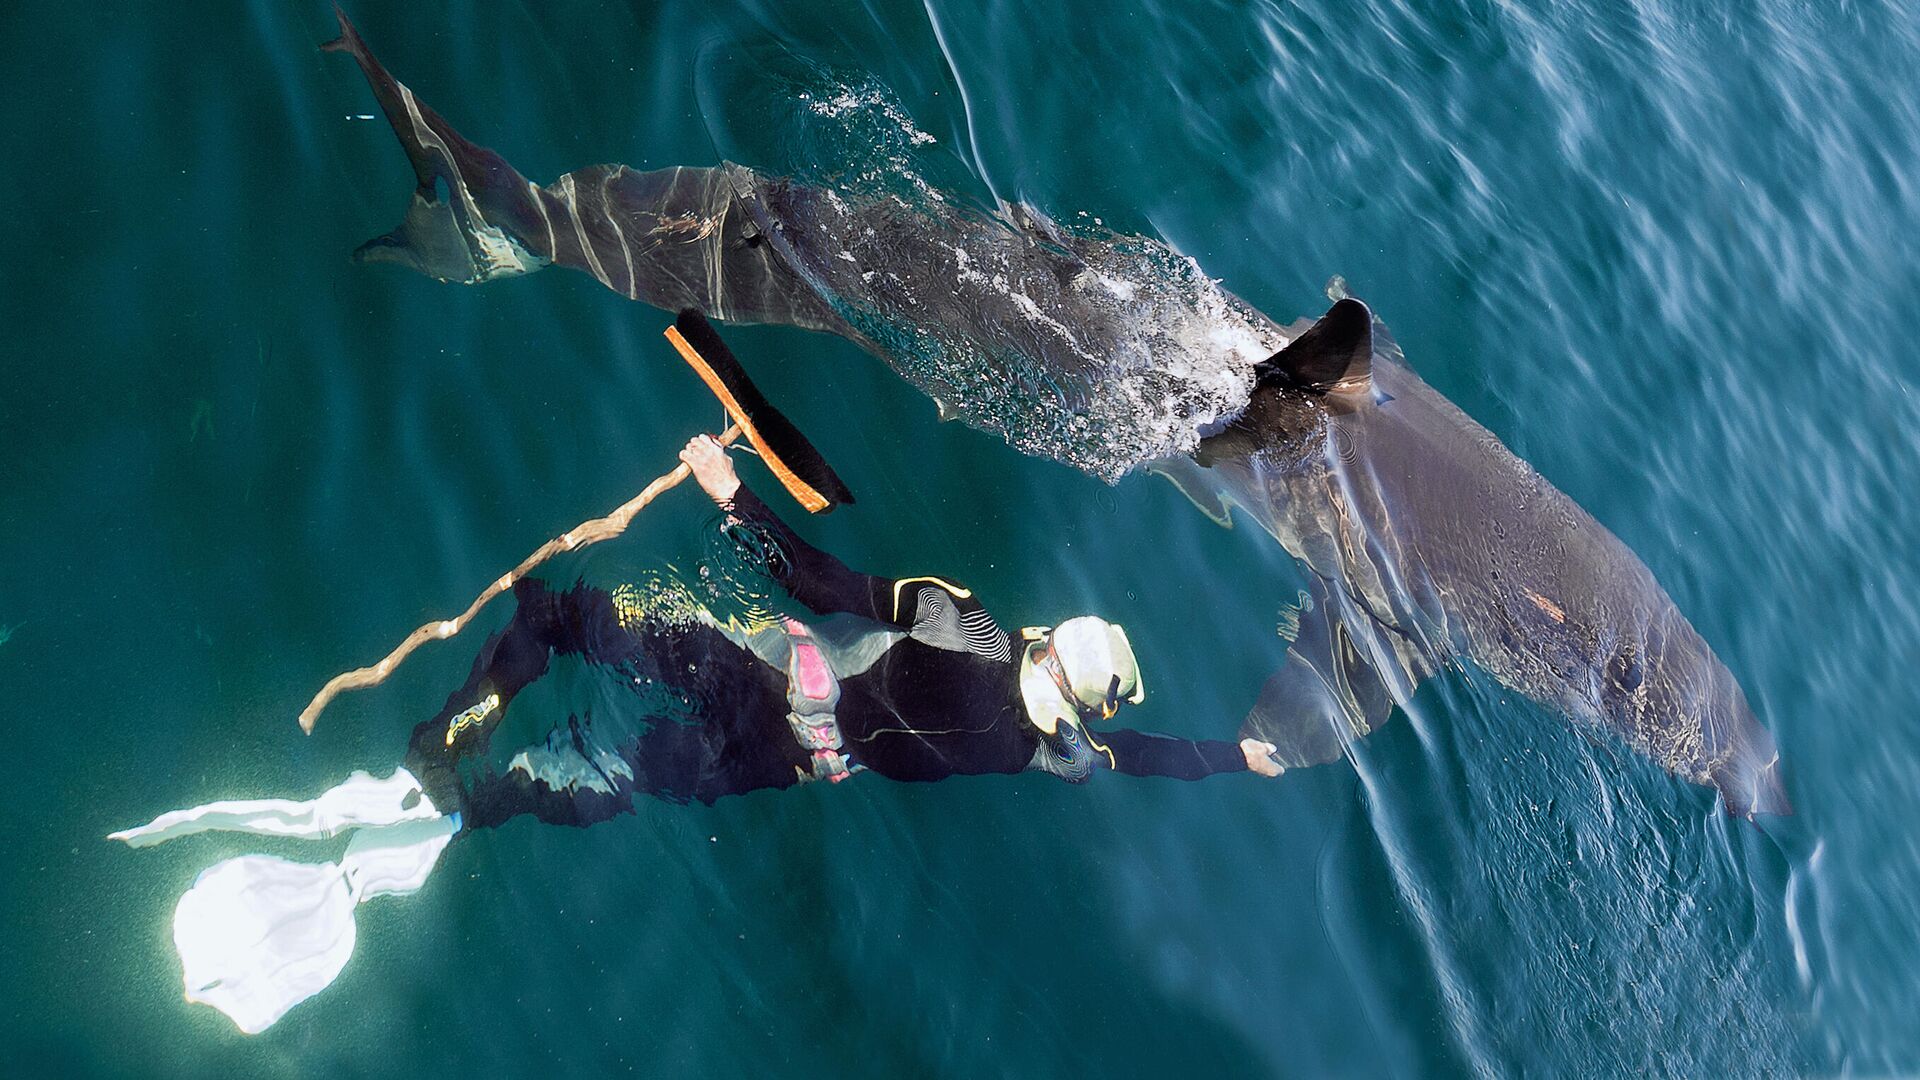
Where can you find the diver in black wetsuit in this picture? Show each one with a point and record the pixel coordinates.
(922, 685)
(908, 678)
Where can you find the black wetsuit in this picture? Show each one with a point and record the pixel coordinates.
(930, 690)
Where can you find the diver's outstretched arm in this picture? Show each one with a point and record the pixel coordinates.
(1140, 753)
(815, 578)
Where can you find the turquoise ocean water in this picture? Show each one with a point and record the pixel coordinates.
(1664, 250)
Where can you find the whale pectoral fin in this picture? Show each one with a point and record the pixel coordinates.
(1334, 355)
(1327, 696)
(1189, 477)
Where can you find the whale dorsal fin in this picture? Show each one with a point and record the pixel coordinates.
(1335, 354)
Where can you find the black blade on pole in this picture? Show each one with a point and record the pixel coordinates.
(794, 460)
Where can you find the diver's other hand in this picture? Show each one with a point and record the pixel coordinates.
(711, 467)
(1260, 757)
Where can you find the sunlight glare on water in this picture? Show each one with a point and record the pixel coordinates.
(1661, 250)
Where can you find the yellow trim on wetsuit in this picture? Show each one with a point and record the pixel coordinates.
(472, 716)
(1087, 730)
(900, 583)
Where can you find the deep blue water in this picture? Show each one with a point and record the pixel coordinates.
(1663, 250)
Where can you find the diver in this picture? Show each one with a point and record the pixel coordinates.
(922, 685)
(905, 678)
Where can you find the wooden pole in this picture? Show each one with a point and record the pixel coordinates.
(587, 532)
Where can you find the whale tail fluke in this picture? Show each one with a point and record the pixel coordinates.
(473, 217)
(677, 237)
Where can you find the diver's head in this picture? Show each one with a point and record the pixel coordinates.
(1078, 671)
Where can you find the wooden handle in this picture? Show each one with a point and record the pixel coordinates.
(802, 492)
(587, 532)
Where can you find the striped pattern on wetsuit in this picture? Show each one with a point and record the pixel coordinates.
(941, 620)
(932, 610)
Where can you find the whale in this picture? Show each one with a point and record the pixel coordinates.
(1426, 543)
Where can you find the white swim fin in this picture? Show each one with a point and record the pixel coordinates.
(361, 801)
(258, 934)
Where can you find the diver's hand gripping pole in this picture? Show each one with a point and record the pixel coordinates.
(587, 532)
(792, 459)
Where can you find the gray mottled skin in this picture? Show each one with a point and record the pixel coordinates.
(1430, 541)
(1427, 540)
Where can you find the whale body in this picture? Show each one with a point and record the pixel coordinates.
(1426, 540)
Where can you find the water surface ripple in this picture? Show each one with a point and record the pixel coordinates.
(1662, 250)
